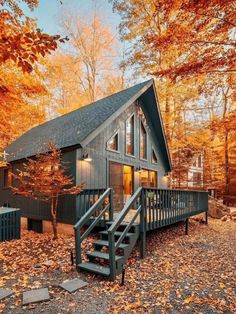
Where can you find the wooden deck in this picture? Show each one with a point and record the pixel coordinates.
(147, 209)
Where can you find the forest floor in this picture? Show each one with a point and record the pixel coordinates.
(181, 274)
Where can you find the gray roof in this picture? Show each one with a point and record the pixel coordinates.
(72, 128)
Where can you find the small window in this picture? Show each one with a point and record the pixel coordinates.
(143, 142)
(7, 178)
(154, 157)
(113, 143)
(130, 136)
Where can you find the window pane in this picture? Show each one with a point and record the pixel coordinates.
(199, 161)
(144, 178)
(153, 178)
(154, 157)
(113, 143)
(143, 142)
(130, 136)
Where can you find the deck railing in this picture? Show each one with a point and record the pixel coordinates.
(102, 209)
(164, 207)
(86, 199)
(9, 223)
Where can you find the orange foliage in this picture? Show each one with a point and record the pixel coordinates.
(44, 178)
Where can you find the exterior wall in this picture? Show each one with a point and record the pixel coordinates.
(196, 168)
(37, 209)
(96, 173)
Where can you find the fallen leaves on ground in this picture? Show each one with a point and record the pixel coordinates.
(180, 274)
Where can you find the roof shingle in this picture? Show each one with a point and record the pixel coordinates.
(72, 128)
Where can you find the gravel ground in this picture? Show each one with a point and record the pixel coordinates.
(181, 274)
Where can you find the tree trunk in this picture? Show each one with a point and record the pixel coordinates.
(54, 217)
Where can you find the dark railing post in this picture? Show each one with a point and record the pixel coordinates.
(186, 226)
(112, 252)
(111, 210)
(78, 259)
(206, 217)
(143, 224)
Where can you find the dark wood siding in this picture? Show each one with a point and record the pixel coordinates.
(37, 209)
(95, 174)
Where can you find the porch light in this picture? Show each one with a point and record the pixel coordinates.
(86, 157)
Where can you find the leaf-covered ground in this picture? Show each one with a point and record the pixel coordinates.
(181, 274)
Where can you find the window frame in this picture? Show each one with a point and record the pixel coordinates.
(126, 153)
(118, 142)
(141, 125)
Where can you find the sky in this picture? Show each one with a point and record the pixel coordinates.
(49, 11)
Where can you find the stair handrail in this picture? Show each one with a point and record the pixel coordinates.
(87, 216)
(111, 231)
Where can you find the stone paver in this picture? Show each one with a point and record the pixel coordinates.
(35, 296)
(4, 293)
(73, 285)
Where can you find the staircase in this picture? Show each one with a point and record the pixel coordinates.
(99, 260)
(116, 242)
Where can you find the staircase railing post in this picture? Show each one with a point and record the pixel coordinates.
(112, 252)
(143, 225)
(111, 210)
(78, 259)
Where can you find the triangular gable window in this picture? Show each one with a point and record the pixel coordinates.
(113, 143)
(154, 157)
(143, 142)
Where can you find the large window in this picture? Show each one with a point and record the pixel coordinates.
(129, 131)
(148, 178)
(113, 143)
(7, 178)
(143, 141)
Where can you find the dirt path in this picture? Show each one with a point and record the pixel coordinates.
(181, 274)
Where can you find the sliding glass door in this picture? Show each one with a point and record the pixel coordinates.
(121, 180)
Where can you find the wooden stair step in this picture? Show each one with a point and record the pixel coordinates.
(123, 223)
(106, 243)
(118, 233)
(95, 268)
(103, 255)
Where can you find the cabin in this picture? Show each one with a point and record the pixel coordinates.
(117, 147)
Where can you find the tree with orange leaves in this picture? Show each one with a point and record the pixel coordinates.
(20, 40)
(44, 178)
(199, 35)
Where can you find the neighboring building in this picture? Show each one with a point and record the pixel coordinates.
(195, 172)
(117, 142)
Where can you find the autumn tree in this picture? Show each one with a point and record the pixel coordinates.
(94, 49)
(201, 31)
(20, 39)
(21, 102)
(44, 178)
(22, 45)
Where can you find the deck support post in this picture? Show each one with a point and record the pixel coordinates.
(77, 247)
(206, 217)
(142, 227)
(111, 210)
(186, 226)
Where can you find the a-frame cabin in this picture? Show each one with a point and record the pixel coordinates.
(117, 147)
